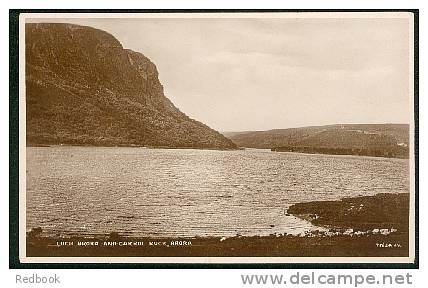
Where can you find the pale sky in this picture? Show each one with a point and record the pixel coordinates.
(261, 74)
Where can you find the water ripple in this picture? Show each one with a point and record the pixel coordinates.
(156, 192)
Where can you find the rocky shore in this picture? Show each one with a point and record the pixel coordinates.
(364, 213)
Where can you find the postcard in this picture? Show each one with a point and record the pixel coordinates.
(217, 137)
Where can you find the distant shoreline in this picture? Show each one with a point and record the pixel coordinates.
(130, 146)
(193, 148)
(404, 154)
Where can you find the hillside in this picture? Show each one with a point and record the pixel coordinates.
(84, 88)
(389, 140)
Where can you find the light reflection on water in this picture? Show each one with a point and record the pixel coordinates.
(184, 193)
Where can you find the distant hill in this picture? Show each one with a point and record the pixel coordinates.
(388, 140)
(84, 88)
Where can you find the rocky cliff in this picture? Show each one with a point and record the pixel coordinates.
(84, 88)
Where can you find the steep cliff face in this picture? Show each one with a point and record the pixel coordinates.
(83, 87)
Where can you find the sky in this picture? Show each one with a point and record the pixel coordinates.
(247, 74)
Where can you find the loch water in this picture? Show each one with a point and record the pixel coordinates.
(185, 192)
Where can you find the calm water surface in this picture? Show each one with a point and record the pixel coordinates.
(184, 193)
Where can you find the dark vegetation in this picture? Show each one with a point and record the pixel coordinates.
(382, 140)
(386, 151)
(381, 211)
(84, 88)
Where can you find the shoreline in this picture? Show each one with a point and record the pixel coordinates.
(341, 152)
(129, 146)
(379, 211)
(211, 149)
(350, 236)
(393, 245)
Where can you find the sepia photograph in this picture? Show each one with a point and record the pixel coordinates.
(251, 137)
